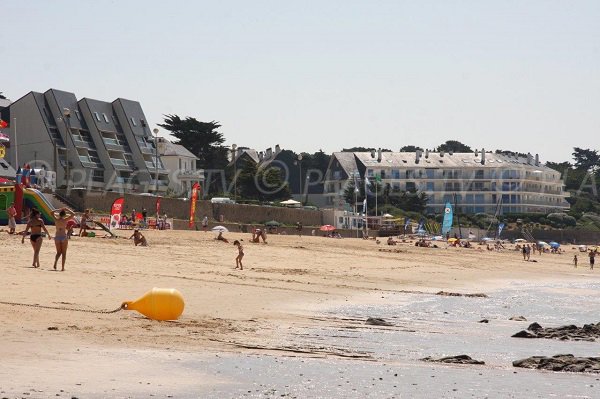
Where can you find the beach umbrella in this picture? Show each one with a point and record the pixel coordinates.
(542, 243)
(290, 202)
(520, 240)
(554, 244)
(219, 229)
(489, 239)
(273, 223)
(327, 227)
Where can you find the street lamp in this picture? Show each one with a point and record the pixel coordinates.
(233, 150)
(67, 120)
(155, 130)
(300, 176)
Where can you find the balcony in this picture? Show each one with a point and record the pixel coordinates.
(83, 144)
(191, 174)
(121, 164)
(147, 149)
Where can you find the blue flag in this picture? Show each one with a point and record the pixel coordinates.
(448, 217)
(500, 228)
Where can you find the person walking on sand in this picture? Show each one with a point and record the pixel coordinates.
(299, 228)
(12, 222)
(524, 250)
(36, 225)
(238, 259)
(62, 218)
(592, 260)
(528, 251)
(575, 261)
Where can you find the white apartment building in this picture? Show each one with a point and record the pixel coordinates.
(181, 165)
(480, 182)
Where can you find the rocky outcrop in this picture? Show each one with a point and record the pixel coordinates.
(568, 363)
(589, 332)
(446, 293)
(376, 321)
(459, 359)
(517, 318)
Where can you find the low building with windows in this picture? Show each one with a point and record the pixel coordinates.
(181, 165)
(88, 143)
(478, 182)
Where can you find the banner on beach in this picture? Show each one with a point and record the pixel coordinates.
(115, 213)
(157, 207)
(500, 228)
(448, 217)
(193, 200)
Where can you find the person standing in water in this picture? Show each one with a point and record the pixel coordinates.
(35, 225)
(238, 259)
(62, 217)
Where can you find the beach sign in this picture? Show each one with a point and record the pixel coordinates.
(448, 216)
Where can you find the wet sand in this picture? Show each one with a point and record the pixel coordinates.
(279, 295)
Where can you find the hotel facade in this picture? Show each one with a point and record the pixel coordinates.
(478, 182)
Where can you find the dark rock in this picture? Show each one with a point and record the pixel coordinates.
(53, 328)
(376, 321)
(565, 363)
(484, 321)
(534, 327)
(459, 359)
(589, 332)
(446, 293)
(524, 334)
(518, 318)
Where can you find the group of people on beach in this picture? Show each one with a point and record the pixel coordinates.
(36, 230)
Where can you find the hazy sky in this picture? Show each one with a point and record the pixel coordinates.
(519, 75)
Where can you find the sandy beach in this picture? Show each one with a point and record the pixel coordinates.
(283, 286)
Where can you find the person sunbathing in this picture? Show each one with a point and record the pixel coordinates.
(221, 238)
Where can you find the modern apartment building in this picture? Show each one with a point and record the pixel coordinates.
(88, 143)
(479, 182)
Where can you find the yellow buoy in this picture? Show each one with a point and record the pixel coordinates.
(158, 304)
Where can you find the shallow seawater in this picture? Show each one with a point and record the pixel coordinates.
(428, 325)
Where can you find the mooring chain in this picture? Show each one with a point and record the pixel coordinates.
(62, 308)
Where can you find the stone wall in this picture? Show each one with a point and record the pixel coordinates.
(179, 209)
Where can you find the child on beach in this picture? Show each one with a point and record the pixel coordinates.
(592, 256)
(575, 261)
(12, 214)
(238, 259)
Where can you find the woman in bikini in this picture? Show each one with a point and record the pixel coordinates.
(36, 225)
(61, 238)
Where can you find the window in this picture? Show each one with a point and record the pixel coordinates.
(97, 115)
(105, 117)
(411, 186)
(430, 173)
(370, 173)
(429, 186)
(78, 115)
(395, 174)
(133, 121)
(3, 202)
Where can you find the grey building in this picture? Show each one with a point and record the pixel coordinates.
(88, 143)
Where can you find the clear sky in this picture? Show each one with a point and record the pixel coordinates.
(309, 75)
